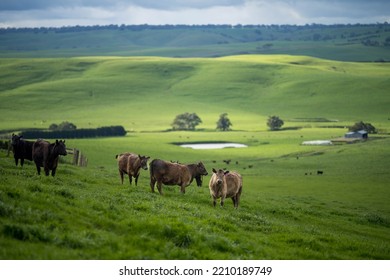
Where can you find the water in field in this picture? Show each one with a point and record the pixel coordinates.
(208, 146)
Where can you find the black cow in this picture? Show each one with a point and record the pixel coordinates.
(21, 148)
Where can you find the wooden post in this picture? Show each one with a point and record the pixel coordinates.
(83, 160)
(75, 156)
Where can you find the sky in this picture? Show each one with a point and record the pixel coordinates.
(58, 13)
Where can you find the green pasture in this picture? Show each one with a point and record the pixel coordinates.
(338, 42)
(146, 93)
(287, 211)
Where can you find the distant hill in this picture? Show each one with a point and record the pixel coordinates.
(146, 93)
(368, 42)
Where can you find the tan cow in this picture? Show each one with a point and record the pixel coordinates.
(130, 164)
(225, 184)
(168, 173)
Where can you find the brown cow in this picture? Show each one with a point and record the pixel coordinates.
(46, 155)
(130, 164)
(168, 173)
(225, 184)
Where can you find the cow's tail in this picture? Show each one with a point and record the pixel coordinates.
(151, 169)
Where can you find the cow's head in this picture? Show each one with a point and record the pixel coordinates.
(60, 147)
(220, 176)
(201, 170)
(144, 162)
(15, 140)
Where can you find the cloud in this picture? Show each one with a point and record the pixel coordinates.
(27, 13)
(148, 4)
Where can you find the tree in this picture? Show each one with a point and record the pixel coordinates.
(274, 123)
(186, 121)
(53, 126)
(63, 126)
(224, 123)
(363, 126)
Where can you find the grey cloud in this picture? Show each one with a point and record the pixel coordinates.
(22, 13)
(151, 4)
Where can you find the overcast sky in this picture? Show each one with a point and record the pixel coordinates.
(57, 13)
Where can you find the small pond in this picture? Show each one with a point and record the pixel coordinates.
(208, 146)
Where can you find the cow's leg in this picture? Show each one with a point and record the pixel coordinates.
(238, 195)
(152, 183)
(21, 162)
(183, 189)
(136, 179)
(16, 161)
(223, 200)
(53, 172)
(38, 168)
(234, 198)
(238, 199)
(159, 187)
(130, 179)
(47, 170)
(214, 201)
(121, 175)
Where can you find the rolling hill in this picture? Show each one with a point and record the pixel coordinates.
(359, 42)
(146, 93)
(287, 211)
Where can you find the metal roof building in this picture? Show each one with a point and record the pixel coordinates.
(361, 134)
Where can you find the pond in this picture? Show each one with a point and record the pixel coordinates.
(208, 146)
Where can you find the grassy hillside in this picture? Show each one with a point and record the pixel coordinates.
(85, 213)
(146, 93)
(287, 211)
(339, 42)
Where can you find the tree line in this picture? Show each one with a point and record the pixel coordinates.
(188, 121)
(140, 27)
(105, 131)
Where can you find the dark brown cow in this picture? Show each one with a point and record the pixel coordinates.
(225, 184)
(130, 164)
(22, 149)
(46, 155)
(167, 173)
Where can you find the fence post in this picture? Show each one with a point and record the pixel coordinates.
(75, 156)
(83, 160)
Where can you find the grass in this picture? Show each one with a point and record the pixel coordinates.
(287, 211)
(85, 213)
(129, 90)
(336, 42)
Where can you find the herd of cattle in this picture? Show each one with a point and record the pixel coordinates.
(223, 184)
(41, 152)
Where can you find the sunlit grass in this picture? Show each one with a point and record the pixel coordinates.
(287, 211)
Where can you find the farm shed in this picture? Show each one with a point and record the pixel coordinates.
(361, 134)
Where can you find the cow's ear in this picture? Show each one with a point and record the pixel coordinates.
(63, 141)
(226, 172)
(56, 141)
(215, 171)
